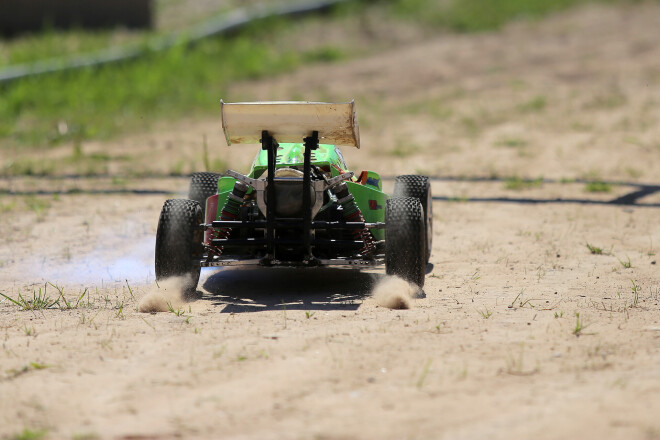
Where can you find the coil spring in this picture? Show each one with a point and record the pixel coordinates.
(352, 213)
(231, 209)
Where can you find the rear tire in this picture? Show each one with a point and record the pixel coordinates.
(410, 185)
(202, 186)
(179, 242)
(405, 238)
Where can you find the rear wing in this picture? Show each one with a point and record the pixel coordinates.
(336, 123)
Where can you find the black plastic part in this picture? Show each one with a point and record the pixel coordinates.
(280, 223)
(269, 144)
(311, 143)
(285, 241)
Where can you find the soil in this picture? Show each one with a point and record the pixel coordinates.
(522, 331)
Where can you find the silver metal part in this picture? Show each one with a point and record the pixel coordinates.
(340, 178)
(258, 185)
(355, 263)
(254, 183)
(231, 262)
(338, 262)
(320, 186)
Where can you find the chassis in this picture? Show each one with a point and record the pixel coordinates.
(298, 205)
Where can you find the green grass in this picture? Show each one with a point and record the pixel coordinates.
(29, 434)
(579, 325)
(511, 143)
(598, 187)
(478, 15)
(38, 205)
(39, 301)
(536, 104)
(403, 149)
(52, 44)
(635, 292)
(595, 250)
(485, 313)
(99, 103)
(517, 184)
(626, 264)
(67, 304)
(424, 373)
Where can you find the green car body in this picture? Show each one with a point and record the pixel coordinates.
(369, 195)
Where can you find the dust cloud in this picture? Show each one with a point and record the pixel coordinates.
(163, 295)
(395, 293)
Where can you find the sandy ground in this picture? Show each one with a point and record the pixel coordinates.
(521, 332)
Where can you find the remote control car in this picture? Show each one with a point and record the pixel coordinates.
(299, 205)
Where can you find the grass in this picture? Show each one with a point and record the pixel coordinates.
(613, 99)
(51, 44)
(29, 434)
(485, 313)
(514, 365)
(39, 301)
(512, 143)
(68, 305)
(99, 103)
(635, 292)
(78, 162)
(176, 312)
(536, 104)
(626, 264)
(598, 187)
(38, 205)
(32, 110)
(595, 250)
(120, 311)
(16, 372)
(579, 325)
(518, 184)
(477, 15)
(402, 149)
(521, 303)
(424, 373)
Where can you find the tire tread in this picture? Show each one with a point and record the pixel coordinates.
(177, 241)
(202, 186)
(404, 239)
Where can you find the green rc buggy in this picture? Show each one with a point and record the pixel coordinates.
(299, 205)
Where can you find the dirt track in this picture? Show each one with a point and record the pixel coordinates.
(491, 351)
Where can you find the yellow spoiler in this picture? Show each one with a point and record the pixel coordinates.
(288, 121)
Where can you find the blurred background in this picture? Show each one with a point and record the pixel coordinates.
(97, 87)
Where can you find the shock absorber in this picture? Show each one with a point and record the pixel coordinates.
(231, 209)
(352, 213)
